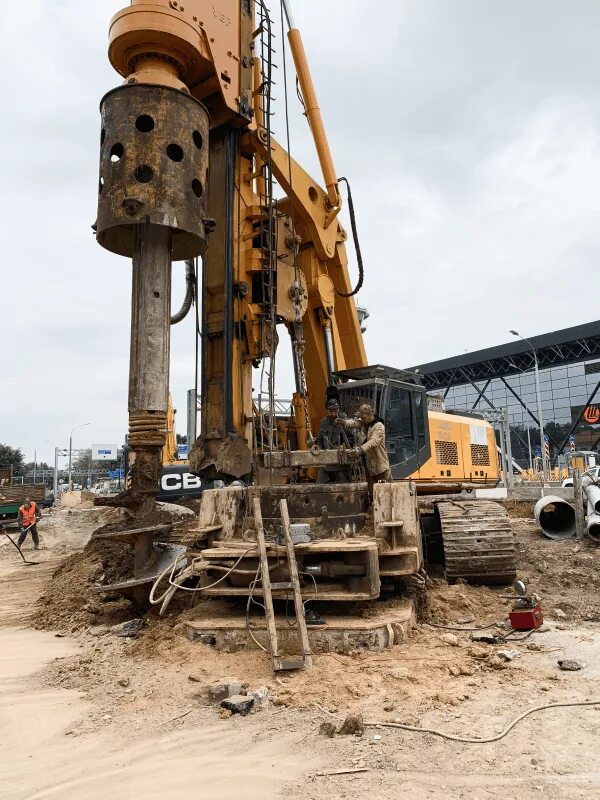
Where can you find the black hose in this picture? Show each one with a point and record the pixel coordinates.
(359, 260)
(190, 283)
(14, 544)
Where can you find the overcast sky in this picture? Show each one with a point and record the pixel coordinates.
(470, 130)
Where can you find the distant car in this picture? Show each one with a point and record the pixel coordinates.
(593, 471)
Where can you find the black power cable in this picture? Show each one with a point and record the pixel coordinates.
(359, 260)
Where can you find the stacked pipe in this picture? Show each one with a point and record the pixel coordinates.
(592, 493)
(555, 517)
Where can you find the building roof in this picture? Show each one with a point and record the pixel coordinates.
(567, 346)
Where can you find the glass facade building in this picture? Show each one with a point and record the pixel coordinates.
(503, 378)
(565, 392)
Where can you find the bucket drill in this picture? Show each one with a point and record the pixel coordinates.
(152, 195)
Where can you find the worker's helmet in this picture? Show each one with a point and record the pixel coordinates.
(333, 405)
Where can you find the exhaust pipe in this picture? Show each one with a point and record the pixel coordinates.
(555, 517)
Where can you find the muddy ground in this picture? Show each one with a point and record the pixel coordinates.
(84, 713)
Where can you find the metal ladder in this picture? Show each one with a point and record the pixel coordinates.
(304, 659)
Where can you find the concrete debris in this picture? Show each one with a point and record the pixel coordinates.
(129, 629)
(353, 725)
(558, 613)
(328, 729)
(259, 696)
(124, 682)
(450, 638)
(238, 704)
(496, 663)
(223, 689)
(509, 655)
(570, 665)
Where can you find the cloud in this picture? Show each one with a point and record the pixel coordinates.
(470, 132)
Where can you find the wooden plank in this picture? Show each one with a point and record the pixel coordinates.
(324, 594)
(266, 582)
(293, 567)
(323, 546)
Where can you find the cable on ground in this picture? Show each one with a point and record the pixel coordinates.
(466, 739)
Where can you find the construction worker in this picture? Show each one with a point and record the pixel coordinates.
(28, 517)
(372, 449)
(331, 436)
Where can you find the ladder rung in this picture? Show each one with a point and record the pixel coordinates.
(292, 662)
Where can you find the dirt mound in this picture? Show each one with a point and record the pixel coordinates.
(449, 605)
(566, 573)
(69, 601)
(519, 509)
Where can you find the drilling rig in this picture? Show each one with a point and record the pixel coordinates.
(190, 169)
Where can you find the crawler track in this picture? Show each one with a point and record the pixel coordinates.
(478, 542)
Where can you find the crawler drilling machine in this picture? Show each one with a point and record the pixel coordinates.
(190, 169)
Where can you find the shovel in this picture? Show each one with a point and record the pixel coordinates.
(14, 544)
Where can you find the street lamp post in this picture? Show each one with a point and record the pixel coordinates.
(539, 403)
(83, 425)
(35, 458)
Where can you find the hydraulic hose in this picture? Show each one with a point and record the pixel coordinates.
(190, 283)
(359, 260)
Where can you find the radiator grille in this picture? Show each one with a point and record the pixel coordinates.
(446, 453)
(480, 455)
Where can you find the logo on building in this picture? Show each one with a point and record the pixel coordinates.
(592, 415)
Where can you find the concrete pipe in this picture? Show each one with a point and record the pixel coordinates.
(555, 517)
(593, 527)
(592, 492)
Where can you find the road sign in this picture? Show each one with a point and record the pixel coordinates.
(182, 451)
(104, 452)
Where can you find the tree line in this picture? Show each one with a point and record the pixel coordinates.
(82, 462)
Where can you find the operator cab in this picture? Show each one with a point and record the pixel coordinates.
(400, 400)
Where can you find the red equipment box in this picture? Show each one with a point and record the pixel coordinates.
(526, 619)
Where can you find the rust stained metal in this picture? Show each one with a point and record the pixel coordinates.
(153, 168)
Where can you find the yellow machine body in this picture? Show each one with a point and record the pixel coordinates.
(463, 449)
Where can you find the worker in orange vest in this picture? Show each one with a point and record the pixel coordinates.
(28, 518)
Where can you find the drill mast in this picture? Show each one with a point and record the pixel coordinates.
(188, 169)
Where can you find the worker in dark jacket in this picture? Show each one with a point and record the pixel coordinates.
(28, 517)
(331, 436)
